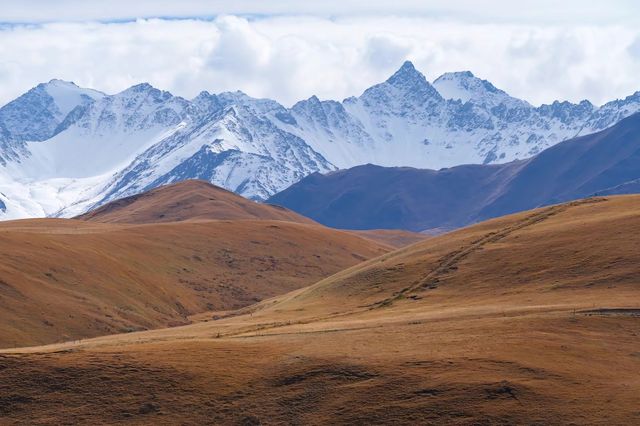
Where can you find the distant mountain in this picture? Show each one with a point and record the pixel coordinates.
(369, 197)
(65, 150)
(226, 140)
(459, 119)
(37, 115)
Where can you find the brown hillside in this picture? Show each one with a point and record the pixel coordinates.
(528, 319)
(187, 200)
(68, 279)
(395, 238)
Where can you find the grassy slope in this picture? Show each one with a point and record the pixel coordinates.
(67, 279)
(188, 200)
(527, 319)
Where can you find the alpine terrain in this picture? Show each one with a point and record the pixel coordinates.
(368, 196)
(65, 150)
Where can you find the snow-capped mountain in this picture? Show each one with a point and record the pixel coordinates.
(119, 145)
(466, 87)
(459, 119)
(64, 149)
(36, 115)
(105, 135)
(227, 140)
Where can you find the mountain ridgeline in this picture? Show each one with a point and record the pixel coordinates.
(81, 148)
(364, 197)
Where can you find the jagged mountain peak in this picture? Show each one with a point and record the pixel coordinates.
(312, 102)
(465, 86)
(60, 82)
(256, 106)
(313, 99)
(404, 90)
(568, 104)
(635, 97)
(145, 89)
(36, 114)
(566, 111)
(240, 97)
(206, 102)
(67, 95)
(202, 95)
(406, 71)
(408, 78)
(237, 96)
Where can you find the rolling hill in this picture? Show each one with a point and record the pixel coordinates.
(368, 197)
(196, 200)
(158, 259)
(531, 318)
(187, 200)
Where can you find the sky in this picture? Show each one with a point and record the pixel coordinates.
(290, 50)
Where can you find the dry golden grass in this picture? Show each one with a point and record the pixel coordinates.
(395, 238)
(188, 200)
(528, 319)
(69, 279)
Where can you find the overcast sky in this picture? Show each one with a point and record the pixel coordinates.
(288, 50)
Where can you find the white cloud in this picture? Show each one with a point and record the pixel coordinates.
(293, 57)
(566, 11)
(386, 51)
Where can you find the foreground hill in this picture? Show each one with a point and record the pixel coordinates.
(188, 200)
(527, 319)
(368, 197)
(68, 279)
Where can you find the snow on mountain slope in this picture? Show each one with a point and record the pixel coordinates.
(64, 149)
(464, 86)
(607, 162)
(67, 95)
(460, 119)
(41, 198)
(142, 137)
(611, 113)
(234, 147)
(36, 115)
(107, 134)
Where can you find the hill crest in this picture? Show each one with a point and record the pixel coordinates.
(188, 200)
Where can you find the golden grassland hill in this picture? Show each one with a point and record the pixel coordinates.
(188, 200)
(194, 200)
(532, 318)
(395, 238)
(70, 279)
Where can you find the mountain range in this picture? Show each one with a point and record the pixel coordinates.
(65, 149)
(158, 259)
(363, 197)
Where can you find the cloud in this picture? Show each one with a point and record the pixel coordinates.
(522, 11)
(386, 51)
(239, 48)
(634, 48)
(293, 57)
